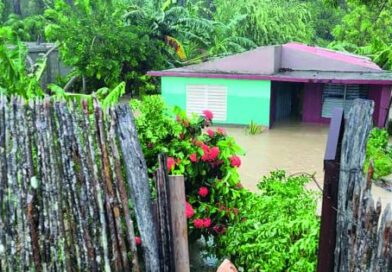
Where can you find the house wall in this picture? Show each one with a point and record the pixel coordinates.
(381, 96)
(312, 103)
(247, 100)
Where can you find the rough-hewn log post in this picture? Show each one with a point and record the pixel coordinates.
(164, 217)
(136, 171)
(330, 193)
(179, 223)
(352, 178)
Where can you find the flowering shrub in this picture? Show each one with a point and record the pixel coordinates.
(275, 230)
(207, 158)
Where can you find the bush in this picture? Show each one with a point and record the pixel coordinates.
(279, 229)
(275, 230)
(95, 40)
(378, 151)
(207, 158)
(389, 127)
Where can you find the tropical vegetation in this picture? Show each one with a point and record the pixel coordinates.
(111, 44)
(379, 153)
(111, 41)
(273, 230)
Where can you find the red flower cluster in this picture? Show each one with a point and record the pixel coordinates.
(138, 240)
(210, 154)
(219, 229)
(208, 115)
(207, 222)
(202, 223)
(210, 133)
(203, 191)
(193, 157)
(189, 212)
(170, 163)
(198, 223)
(221, 131)
(235, 161)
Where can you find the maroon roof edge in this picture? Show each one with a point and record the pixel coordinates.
(268, 77)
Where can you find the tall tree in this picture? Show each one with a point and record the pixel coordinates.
(366, 29)
(268, 21)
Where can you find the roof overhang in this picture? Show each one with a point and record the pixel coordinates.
(371, 78)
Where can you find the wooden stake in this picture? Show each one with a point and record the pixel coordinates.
(179, 224)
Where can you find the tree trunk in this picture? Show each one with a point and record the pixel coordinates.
(17, 8)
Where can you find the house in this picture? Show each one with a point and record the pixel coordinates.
(274, 83)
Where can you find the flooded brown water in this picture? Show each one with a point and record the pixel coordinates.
(292, 146)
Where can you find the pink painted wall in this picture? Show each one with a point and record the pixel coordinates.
(312, 103)
(380, 95)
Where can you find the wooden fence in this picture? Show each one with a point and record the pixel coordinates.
(353, 237)
(67, 175)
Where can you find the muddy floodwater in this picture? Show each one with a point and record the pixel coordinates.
(291, 146)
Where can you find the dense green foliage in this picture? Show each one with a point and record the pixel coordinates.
(269, 21)
(15, 77)
(366, 29)
(279, 230)
(96, 42)
(379, 152)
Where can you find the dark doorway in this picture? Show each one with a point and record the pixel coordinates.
(286, 101)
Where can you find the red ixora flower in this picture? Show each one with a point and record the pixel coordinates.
(208, 114)
(170, 163)
(210, 154)
(235, 161)
(214, 152)
(198, 223)
(193, 157)
(221, 131)
(189, 212)
(203, 191)
(206, 222)
(210, 133)
(138, 240)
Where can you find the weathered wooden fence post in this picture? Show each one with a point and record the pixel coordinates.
(331, 180)
(363, 242)
(136, 171)
(179, 223)
(358, 126)
(163, 214)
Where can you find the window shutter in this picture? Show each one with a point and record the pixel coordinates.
(207, 97)
(335, 95)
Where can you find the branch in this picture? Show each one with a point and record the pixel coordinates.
(70, 83)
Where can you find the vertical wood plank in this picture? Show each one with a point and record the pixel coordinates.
(136, 172)
(179, 223)
(330, 193)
